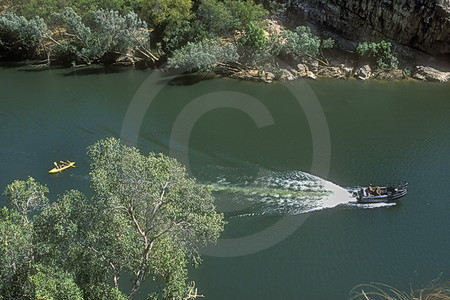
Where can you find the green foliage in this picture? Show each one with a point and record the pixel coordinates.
(146, 218)
(105, 31)
(165, 209)
(19, 37)
(245, 12)
(216, 16)
(103, 291)
(258, 48)
(45, 8)
(176, 36)
(52, 283)
(204, 55)
(163, 12)
(15, 254)
(253, 37)
(224, 17)
(26, 196)
(327, 43)
(380, 52)
(300, 43)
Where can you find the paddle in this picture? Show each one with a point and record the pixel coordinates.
(67, 162)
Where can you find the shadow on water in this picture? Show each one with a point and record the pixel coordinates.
(34, 67)
(9, 64)
(97, 70)
(185, 79)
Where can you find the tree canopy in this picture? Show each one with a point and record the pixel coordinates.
(146, 219)
(187, 34)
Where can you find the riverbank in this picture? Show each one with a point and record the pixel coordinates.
(242, 40)
(341, 71)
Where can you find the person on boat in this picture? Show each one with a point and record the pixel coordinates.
(377, 191)
(370, 190)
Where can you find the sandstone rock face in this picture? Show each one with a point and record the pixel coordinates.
(430, 74)
(421, 24)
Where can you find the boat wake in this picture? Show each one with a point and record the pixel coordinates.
(282, 193)
(278, 193)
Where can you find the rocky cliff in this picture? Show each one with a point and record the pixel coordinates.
(421, 24)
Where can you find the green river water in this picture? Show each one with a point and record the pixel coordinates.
(281, 158)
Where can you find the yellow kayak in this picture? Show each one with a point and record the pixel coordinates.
(62, 167)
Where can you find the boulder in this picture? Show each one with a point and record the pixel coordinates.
(348, 71)
(313, 65)
(395, 74)
(363, 73)
(287, 75)
(311, 75)
(268, 77)
(334, 72)
(430, 74)
(341, 71)
(302, 70)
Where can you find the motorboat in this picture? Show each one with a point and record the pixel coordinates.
(379, 194)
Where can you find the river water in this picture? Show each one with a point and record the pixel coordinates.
(281, 158)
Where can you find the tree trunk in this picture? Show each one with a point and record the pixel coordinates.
(141, 272)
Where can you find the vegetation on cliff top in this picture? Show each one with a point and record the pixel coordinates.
(145, 220)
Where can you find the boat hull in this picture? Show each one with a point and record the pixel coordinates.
(57, 170)
(387, 194)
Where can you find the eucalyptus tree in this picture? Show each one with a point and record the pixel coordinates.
(146, 218)
(166, 216)
(17, 252)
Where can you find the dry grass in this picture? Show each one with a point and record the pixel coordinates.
(379, 291)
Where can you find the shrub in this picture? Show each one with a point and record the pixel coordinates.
(204, 55)
(45, 8)
(300, 43)
(253, 37)
(245, 11)
(216, 16)
(224, 17)
(108, 32)
(381, 53)
(21, 38)
(163, 12)
(176, 36)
